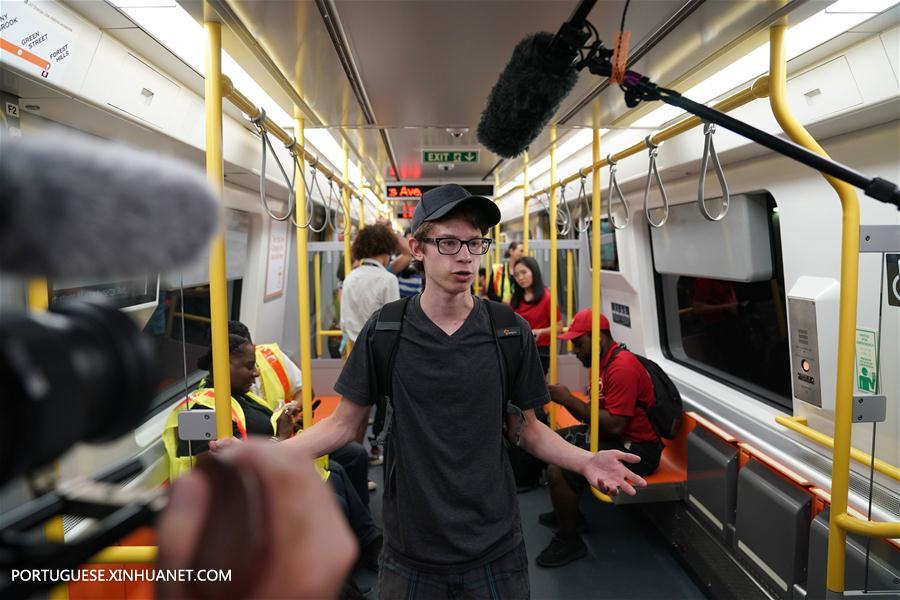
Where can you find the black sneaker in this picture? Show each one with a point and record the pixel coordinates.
(549, 519)
(562, 551)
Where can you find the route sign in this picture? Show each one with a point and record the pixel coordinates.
(449, 156)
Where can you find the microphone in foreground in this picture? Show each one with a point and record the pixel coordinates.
(76, 206)
(530, 89)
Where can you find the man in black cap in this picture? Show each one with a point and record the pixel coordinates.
(451, 519)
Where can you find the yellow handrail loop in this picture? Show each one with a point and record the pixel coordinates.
(653, 172)
(709, 150)
(614, 190)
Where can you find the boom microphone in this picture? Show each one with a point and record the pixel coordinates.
(539, 75)
(76, 206)
(541, 72)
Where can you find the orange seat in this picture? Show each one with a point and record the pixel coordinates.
(669, 477)
(128, 590)
(328, 406)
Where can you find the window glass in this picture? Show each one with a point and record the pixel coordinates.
(609, 254)
(733, 331)
(178, 361)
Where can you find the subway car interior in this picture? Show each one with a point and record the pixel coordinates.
(197, 162)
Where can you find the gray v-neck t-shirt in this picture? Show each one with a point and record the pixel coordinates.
(449, 495)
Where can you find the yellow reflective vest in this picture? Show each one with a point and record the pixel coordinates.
(206, 398)
(500, 282)
(274, 381)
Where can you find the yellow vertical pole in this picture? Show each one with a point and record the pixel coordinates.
(218, 285)
(554, 274)
(38, 294)
(317, 268)
(54, 531)
(595, 300)
(345, 201)
(525, 203)
(489, 270)
(595, 294)
(362, 181)
(843, 404)
(570, 292)
(303, 281)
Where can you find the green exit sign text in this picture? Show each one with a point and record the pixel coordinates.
(449, 156)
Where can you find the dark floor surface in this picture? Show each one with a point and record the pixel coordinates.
(627, 558)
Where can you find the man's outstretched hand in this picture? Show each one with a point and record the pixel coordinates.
(605, 471)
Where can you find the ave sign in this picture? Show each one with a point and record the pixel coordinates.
(449, 156)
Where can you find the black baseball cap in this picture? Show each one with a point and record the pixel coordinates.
(437, 203)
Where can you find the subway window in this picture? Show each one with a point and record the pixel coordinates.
(180, 330)
(721, 295)
(609, 254)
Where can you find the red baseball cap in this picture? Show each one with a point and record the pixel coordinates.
(581, 324)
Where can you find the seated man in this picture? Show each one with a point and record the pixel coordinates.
(625, 386)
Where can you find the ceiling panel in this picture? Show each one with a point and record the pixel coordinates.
(426, 65)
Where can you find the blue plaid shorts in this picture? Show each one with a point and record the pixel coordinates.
(503, 579)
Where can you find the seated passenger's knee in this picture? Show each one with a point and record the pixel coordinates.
(555, 474)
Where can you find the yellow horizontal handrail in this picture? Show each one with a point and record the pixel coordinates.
(799, 425)
(191, 317)
(869, 528)
(757, 89)
(508, 192)
(125, 554)
(331, 333)
(251, 110)
(601, 496)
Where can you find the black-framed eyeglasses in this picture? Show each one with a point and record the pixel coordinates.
(451, 246)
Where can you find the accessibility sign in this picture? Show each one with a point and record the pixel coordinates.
(866, 360)
(449, 156)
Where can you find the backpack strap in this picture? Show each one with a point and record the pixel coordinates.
(383, 343)
(508, 338)
(642, 405)
(612, 355)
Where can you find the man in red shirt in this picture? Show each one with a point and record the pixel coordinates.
(625, 386)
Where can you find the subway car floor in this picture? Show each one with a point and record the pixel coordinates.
(627, 558)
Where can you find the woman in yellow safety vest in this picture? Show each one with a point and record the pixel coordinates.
(280, 380)
(502, 282)
(250, 414)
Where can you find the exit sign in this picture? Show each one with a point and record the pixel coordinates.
(449, 156)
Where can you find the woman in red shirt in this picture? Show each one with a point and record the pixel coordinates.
(531, 300)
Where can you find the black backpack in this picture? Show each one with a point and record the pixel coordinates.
(665, 415)
(385, 338)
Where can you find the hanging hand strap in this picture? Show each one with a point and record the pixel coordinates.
(651, 173)
(264, 137)
(614, 190)
(709, 150)
(586, 205)
(563, 214)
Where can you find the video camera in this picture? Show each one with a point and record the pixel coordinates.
(83, 371)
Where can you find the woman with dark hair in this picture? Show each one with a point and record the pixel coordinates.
(502, 282)
(531, 300)
(251, 416)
